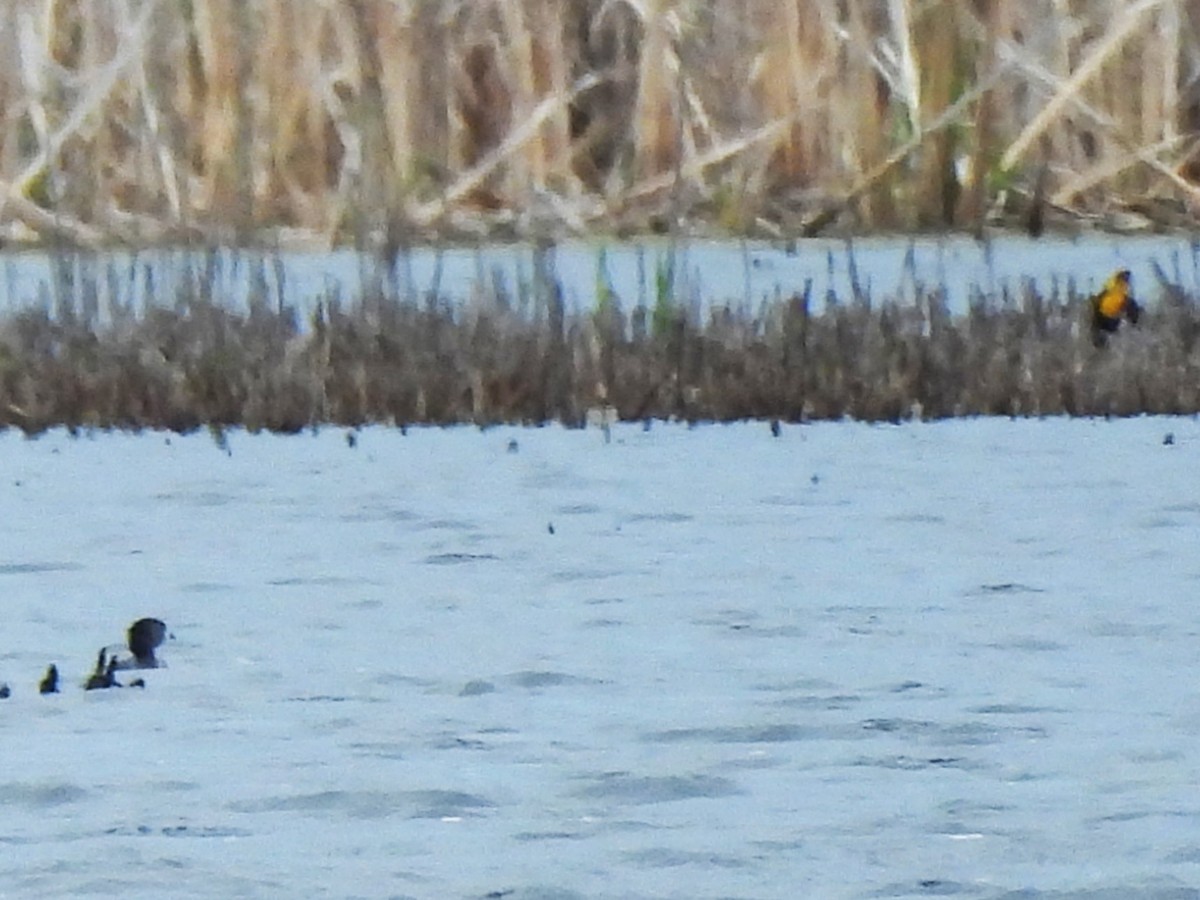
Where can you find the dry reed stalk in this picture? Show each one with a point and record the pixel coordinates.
(1161, 113)
(974, 199)
(816, 222)
(1170, 173)
(137, 118)
(657, 126)
(157, 147)
(1114, 165)
(12, 99)
(908, 80)
(55, 227)
(399, 43)
(217, 103)
(784, 56)
(1130, 19)
(38, 110)
(378, 201)
(537, 70)
(480, 103)
(247, 31)
(465, 184)
(33, 76)
(297, 158)
(459, 101)
(938, 69)
(790, 72)
(1040, 48)
(693, 169)
(866, 122)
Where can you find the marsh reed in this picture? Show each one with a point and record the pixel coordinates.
(387, 121)
(85, 359)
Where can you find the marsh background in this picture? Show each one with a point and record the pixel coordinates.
(389, 120)
(381, 126)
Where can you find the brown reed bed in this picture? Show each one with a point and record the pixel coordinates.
(383, 121)
(190, 361)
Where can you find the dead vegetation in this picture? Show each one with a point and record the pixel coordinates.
(190, 360)
(386, 121)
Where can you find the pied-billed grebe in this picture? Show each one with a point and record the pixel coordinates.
(143, 638)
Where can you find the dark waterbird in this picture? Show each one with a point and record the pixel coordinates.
(5, 691)
(143, 638)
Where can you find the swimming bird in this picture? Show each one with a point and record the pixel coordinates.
(5, 691)
(1111, 304)
(143, 638)
(104, 676)
(49, 682)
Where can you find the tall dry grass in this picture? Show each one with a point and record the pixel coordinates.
(369, 120)
(86, 359)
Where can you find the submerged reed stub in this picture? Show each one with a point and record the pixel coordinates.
(49, 682)
(104, 675)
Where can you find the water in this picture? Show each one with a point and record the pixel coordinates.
(703, 271)
(852, 662)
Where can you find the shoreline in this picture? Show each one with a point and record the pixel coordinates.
(293, 240)
(188, 360)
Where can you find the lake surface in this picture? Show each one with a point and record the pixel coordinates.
(950, 660)
(704, 272)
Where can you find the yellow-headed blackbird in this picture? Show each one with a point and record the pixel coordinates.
(1113, 303)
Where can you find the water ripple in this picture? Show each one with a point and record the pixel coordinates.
(533, 680)
(457, 559)
(40, 796)
(669, 857)
(371, 804)
(743, 734)
(624, 787)
(38, 568)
